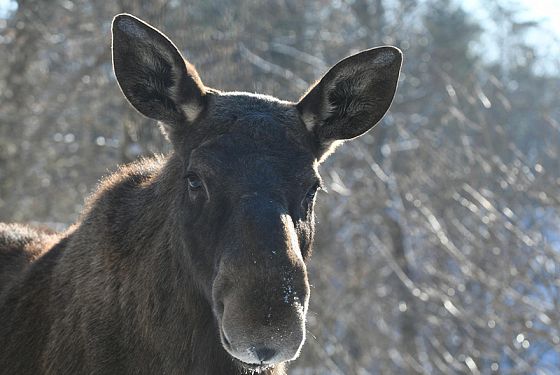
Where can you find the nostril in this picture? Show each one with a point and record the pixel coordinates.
(221, 308)
(226, 340)
(264, 354)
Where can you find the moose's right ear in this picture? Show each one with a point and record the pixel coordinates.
(153, 75)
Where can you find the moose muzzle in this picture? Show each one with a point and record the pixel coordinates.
(261, 290)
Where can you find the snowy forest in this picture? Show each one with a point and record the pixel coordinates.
(438, 243)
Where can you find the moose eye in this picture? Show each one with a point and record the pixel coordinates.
(310, 195)
(194, 182)
(311, 192)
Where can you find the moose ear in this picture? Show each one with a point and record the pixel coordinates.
(153, 75)
(351, 97)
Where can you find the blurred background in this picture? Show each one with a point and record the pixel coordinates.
(438, 246)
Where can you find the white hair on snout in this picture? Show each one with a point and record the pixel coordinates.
(293, 242)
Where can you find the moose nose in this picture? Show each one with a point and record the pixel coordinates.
(264, 353)
(261, 341)
(272, 348)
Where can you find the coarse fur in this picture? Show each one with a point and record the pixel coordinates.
(192, 262)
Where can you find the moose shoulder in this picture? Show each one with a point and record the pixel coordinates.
(192, 263)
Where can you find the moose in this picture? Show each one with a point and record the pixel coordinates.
(193, 262)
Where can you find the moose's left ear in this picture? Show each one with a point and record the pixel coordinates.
(352, 97)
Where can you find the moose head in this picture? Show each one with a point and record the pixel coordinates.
(247, 177)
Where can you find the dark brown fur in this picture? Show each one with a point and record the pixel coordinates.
(20, 245)
(194, 262)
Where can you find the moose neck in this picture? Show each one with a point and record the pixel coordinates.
(167, 314)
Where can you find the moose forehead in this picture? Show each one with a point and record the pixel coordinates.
(253, 135)
(262, 117)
